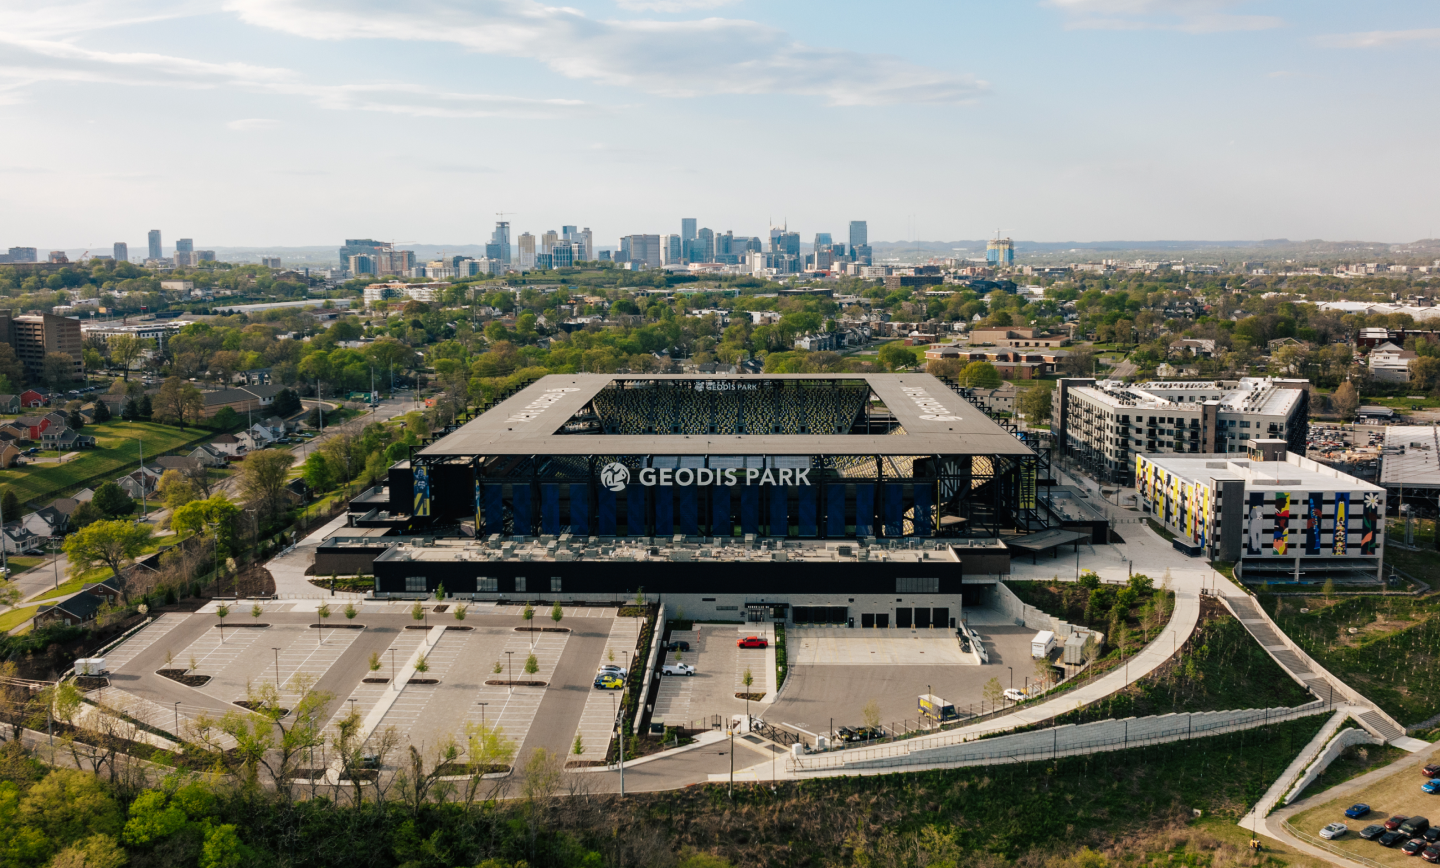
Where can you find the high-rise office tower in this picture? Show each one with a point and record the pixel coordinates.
(156, 250)
(23, 254)
(823, 239)
(706, 239)
(568, 233)
(671, 250)
(562, 255)
(526, 245)
(122, 251)
(185, 245)
(587, 245)
(859, 234)
(787, 243)
(499, 246)
(548, 241)
(363, 247)
(34, 337)
(687, 228)
(641, 250)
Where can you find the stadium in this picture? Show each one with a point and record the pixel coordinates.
(797, 496)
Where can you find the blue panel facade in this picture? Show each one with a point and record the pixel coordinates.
(605, 514)
(664, 510)
(779, 520)
(520, 508)
(894, 509)
(685, 516)
(835, 511)
(494, 509)
(923, 520)
(579, 508)
(550, 508)
(749, 509)
(864, 510)
(721, 521)
(806, 507)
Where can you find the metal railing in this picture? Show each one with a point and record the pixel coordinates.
(992, 749)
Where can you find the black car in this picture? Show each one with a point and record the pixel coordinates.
(1413, 846)
(1372, 831)
(1390, 839)
(679, 645)
(1431, 835)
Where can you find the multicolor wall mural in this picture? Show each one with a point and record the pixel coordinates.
(1278, 523)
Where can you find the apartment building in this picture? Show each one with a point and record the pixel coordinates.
(37, 335)
(1104, 424)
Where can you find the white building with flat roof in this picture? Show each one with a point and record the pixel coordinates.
(1104, 424)
(1279, 517)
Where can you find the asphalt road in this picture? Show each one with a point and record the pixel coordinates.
(555, 722)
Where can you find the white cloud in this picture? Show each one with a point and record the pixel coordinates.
(671, 58)
(29, 62)
(671, 5)
(246, 124)
(1188, 16)
(1381, 38)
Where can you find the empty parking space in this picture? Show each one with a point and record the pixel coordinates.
(823, 685)
(597, 721)
(837, 646)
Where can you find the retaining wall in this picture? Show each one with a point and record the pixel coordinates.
(1337, 745)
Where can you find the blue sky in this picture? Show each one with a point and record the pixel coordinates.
(298, 122)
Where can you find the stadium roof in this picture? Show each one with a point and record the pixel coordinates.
(1410, 457)
(936, 421)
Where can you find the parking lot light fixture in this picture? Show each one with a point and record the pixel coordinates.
(510, 667)
(482, 714)
(393, 682)
(277, 668)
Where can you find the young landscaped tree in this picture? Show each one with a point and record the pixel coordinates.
(421, 664)
(256, 611)
(747, 679)
(993, 692)
(461, 611)
(374, 662)
(556, 613)
(417, 612)
(497, 668)
(350, 612)
(323, 612)
(871, 714)
(110, 544)
(532, 665)
(222, 612)
(440, 592)
(578, 747)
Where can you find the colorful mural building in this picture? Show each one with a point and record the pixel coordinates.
(1278, 517)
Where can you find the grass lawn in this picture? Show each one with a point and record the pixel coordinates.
(1354, 762)
(20, 563)
(1393, 658)
(15, 617)
(116, 454)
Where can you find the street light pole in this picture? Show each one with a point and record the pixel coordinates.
(393, 683)
(277, 669)
(510, 667)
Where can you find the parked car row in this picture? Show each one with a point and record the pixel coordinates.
(1413, 835)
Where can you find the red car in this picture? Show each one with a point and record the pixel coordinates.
(1394, 822)
(1431, 771)
(752, 642)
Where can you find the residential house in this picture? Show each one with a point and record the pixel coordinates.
(1390, 363)
(1202, 348)
(85, 495)
(1272, 346)
(139, 484)
(79, 609)
(208, 455)
(12, 433)
(227, 444)
(57, 419)
(816, 341)
(9, 454)
(263, 433)
(66, 438)
(34, 426)
(47, 522)
(250, 441)
(19, 539)
(1000, 400)
(182, 463)
(9, 403)
(107, 590)
(34, 397)
(242, 399)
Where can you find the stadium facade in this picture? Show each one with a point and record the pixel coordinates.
(825, 497)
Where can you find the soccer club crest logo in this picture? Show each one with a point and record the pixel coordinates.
(615, 476)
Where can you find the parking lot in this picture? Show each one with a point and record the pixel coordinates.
(460, 657)
(835, 672)
(719, 674)
(1396, 793)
